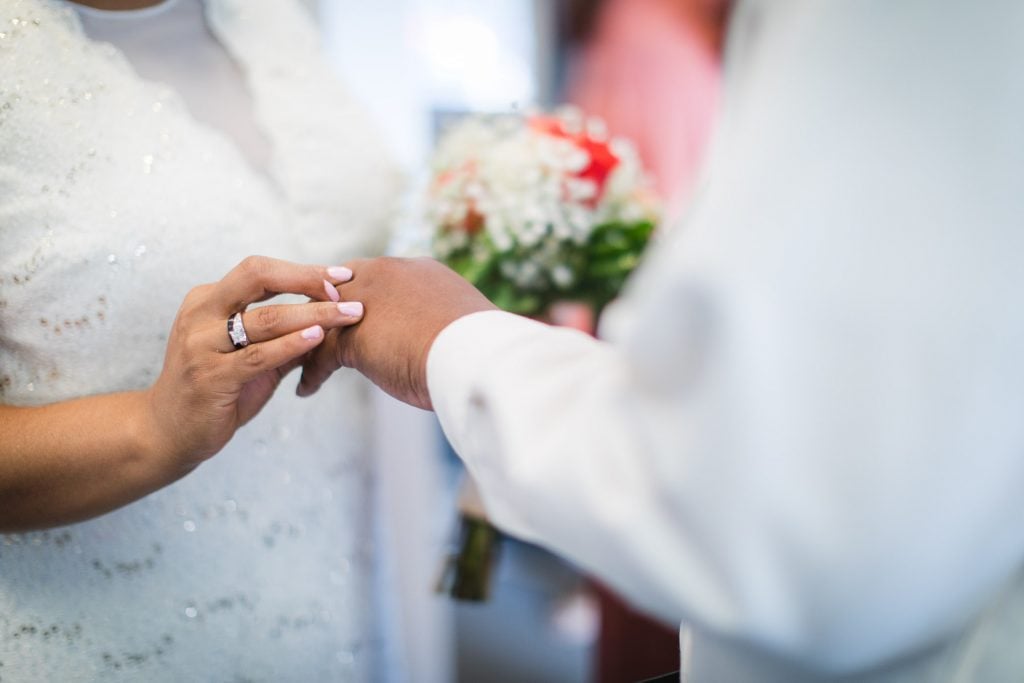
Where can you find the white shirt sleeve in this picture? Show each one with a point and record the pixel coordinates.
(804, 427)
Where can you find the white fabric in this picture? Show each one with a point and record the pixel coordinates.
(114, 201)
(170, 43)
(804, 432)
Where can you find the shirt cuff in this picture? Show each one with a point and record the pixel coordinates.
(458, 357)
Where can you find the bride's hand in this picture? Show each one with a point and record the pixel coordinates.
(208, 388)
(72, 460)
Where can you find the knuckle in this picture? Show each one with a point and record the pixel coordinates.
(190, 344)
(430, 265)
(389, 263)
(326, 315)
(253, 265)
(267, 318)
(252, 356)
(195, 297)
(375, 270)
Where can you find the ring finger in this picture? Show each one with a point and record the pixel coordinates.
(264, 323)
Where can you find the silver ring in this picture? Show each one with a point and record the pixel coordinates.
(236, 331)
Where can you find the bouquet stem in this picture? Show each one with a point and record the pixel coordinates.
(468, 573)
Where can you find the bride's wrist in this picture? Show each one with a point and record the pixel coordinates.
(153, 438)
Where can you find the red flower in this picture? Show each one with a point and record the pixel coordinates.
(474, 221)
(602, 160)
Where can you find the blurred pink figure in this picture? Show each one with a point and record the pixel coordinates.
(651, 71)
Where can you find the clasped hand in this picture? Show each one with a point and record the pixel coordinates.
(408, 302)
(207, 388)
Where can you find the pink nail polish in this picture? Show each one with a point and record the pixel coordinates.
(340, 273)
(332, 292)
(314, 332)
(353, 309)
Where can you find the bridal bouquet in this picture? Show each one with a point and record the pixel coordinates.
(534, 211)
(538, 209)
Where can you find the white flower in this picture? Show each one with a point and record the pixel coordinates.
(502, 240)
(529, 274)
(597, 129)
(577, 160)
(562, 275)
(580, 189)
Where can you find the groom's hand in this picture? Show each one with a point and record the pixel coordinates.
(407, 304)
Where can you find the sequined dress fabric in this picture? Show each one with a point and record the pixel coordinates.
(114, 202)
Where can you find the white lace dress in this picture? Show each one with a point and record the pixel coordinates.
(114, 201)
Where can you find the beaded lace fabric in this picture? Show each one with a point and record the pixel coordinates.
(114, 202)
(171, 43)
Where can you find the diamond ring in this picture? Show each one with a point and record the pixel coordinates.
(236, 331)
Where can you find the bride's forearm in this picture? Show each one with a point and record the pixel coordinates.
(73, 460)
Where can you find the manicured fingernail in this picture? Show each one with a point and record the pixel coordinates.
(352, 309)
(340, 273)
(314, 332)
(332, 291)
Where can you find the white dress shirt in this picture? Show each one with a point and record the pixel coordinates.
(804, 429)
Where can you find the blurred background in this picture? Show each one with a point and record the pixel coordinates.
(650, 69)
